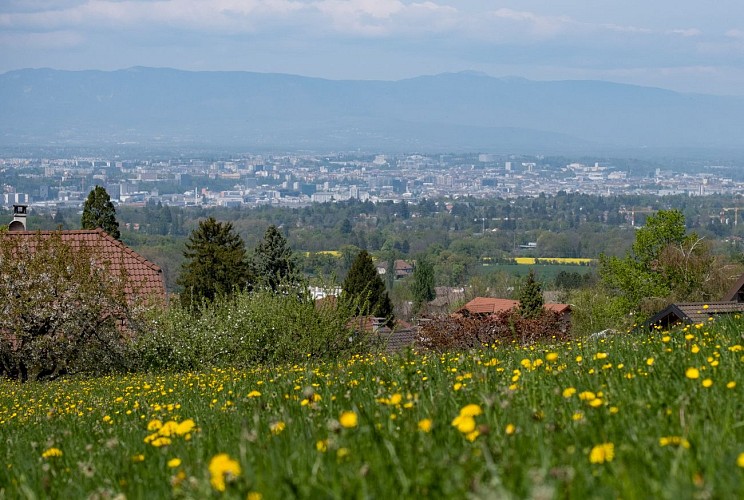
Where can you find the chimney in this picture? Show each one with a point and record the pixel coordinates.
(19, 218)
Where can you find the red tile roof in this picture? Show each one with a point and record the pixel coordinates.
(145, 279)
(490, 305)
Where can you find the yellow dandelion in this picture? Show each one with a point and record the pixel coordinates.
(472, 436)
(457, 386)
(174, 462)
(587, 396)
(161, 441)
(471, 410)
(510, 429)
(731, 385)
(348, 419)
(254, 495)
(222, 469)
(707, 382)
(169, 428)
(185, 427)
(277, 427)
(692, 373)
(322, 445)
(551, 356)
(154, 425)
(138, 458)
(464, 423)
(602, 453)
(568, 392)
(650, 362)
(425, 425)
(52, 453)
(595, 403)
(740, 460)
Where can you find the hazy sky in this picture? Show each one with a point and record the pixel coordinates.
(686, 45)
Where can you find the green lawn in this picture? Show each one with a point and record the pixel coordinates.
(623, 417)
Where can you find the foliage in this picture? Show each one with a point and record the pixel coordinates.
(272, 262)
(247, 329)
(457, 333)
(215, 265)
(531, 297)
(594, 309)
(62, 310)
(423, 283)
(99, 211)
(364, 287)
(665, 265)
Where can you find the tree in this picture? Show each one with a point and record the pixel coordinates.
(58, 313)
(98, 211)
(531, 297)
(364, 288)
(215, 264)
(272, 262)
(423, 283)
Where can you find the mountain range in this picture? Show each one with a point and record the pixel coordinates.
(446, 112)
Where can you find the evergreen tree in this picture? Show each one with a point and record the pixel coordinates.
(273, 264)
(531, 297)
(215, 263)
(364, 287)
(98, 211)
(423, 283)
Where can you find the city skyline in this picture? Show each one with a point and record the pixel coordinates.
(676, 45)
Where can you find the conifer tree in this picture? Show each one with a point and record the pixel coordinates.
(273, 264)
(364, 287)
(99, 211)
(215, 265)
(423, 283)
(531, 297)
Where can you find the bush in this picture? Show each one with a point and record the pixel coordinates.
(459, 333)
(247, 329)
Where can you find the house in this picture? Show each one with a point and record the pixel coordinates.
(483, 306)
(401, 269)
(144, 279)
(736, 292)
(693, 313)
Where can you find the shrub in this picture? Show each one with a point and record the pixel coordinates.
(457, 333)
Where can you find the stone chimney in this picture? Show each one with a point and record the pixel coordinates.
(19, 218)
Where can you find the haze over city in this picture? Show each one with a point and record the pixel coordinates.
(684, 46)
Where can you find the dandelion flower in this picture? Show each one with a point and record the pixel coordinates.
(471, 410)
(154, 425)
(174, 462)
(254, 394)
(348, 419)
(425, 425)
(707, 382)
(602, 453)
(322, 445)
(222, 468)
(551, 356)
(51, 453)
(185, 427)
(464, 423)
(510, 429)
(731, 385)
(568, 392)
(692, 373)
(650, 362)
(740, 460)
(277, 427)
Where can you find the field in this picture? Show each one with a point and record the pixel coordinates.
(654, 415)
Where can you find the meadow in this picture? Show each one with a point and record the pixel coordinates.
(635, 415)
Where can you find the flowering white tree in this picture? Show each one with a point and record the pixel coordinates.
(61, 311)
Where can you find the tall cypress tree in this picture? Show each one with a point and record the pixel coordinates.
(364, 287)
(215, 265)
(423, 283)
(99, 211)
(272, 262)
(531, 297)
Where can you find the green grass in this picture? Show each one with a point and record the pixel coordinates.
(545, 272)
(100, 425)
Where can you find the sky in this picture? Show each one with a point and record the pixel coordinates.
(683, 45)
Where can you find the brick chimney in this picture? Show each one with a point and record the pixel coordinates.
(19, 218)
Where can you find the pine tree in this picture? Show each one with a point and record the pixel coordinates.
(423, 283)
(273, 264)
(98, 211)
(531, 297)
(364, 287)
(215, 265)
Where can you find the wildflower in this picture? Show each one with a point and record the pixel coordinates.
(254, 495)
(277, 427)
(707, 382)
(161, 441)
(138, 458)
(587, 396)
(471, 410)
(650, 362)
(154, 425)
(464, 423)
(740, 460)
(568, 392)
(472, 436)
(602, 453)
(601, 355)
(185, 427)
(425, 425)
(595, 403)
(174, 462)
(731, 385)
(254, 394)
(107, 419)
(551, 356)
(52, 452)
(222, 468)
(348, 419)
(674, 441)
(577, 416)
(509, 429)
(342, 453)
(457, 386)
(322, 445)
(692, 373)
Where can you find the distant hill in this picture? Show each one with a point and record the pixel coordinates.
(454, 111)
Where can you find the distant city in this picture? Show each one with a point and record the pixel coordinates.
(294, 180)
